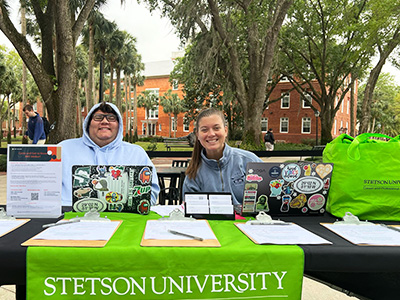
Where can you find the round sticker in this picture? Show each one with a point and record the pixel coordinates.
(274, 172)
(316, 202)
(291, 172)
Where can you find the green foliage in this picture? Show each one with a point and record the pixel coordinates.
(135, 137)
(3, 163)
(153, 145)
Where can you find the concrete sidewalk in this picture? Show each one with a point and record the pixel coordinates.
(312, 290)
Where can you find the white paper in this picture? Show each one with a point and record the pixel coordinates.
(373, 234)
(80, 231)
(34, 181)
(197, 209)
(291, 234)
(221, 209)
(158, 230)
(7, 225)
(195, 197)
(165, 210)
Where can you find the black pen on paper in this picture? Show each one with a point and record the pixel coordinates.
(60, 223)
(186, 235)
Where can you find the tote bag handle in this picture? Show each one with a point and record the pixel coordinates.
(354, 152)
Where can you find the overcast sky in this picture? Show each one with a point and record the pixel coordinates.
(155, 36)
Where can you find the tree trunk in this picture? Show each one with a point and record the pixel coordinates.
(90, 89)
(118, 90)
(110, 99)
(326, 118)
(352, 110)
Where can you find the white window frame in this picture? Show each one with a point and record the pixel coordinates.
(335, 128)
(159, 127)
(285, 96)
(305, 120)
(186, 125)
(175, 84)
(153, 113)
(173, 124)
(309, 97)
(264, 128)
(282, 120)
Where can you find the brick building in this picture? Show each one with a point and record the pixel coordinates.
(292, 120)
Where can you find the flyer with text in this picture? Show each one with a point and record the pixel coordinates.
(34, 181)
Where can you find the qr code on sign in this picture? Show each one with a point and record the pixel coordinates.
(34, 196)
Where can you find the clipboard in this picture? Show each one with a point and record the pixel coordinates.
(178, 216)
(354, 223)
(91, 216)
(4, 217)
(69, 243)
(278, 232)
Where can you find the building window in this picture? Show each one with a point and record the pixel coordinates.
(284, 128)
(153, 113)
(185, 125)
(306, 125)
(173, 124)
(342, 106)
(264, 124)
(307, 100)
(285, 101)
(335, 128)
(144, 128)
(175, 84)
(159, 127)
(348, 107)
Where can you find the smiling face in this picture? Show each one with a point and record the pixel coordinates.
(212, 134)
(103, 132)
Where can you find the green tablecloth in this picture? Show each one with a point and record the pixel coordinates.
(239, 269)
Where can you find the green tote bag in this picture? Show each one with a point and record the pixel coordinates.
(366, 176)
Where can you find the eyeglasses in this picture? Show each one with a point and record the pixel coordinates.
(109, 117)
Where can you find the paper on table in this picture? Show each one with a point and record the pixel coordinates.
(81, 231)
(291, 234)
(159, 230)
(9, 225)
(372, 234)
(165, 210)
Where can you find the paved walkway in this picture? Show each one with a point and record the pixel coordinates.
(312, 290)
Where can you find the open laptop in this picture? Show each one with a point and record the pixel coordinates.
(284, 189)
(112, 188)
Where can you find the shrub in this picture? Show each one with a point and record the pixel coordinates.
(3, 163)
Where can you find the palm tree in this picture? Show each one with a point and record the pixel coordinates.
(172, 104)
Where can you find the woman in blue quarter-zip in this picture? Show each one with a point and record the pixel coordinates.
(215, 166)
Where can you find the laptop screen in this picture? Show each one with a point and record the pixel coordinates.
(112, 188)
(287, 188)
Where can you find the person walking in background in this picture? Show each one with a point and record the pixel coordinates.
(269, 140)
(35, 131)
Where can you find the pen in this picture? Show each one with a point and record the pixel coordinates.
(185, 234)
(269, 223)
(60, 223)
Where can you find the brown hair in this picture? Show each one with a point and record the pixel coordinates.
(27, 107)
(195, 161)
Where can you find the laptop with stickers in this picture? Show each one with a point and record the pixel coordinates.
(111, 188)
(286, 189)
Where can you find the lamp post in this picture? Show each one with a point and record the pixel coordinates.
(316, 113)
